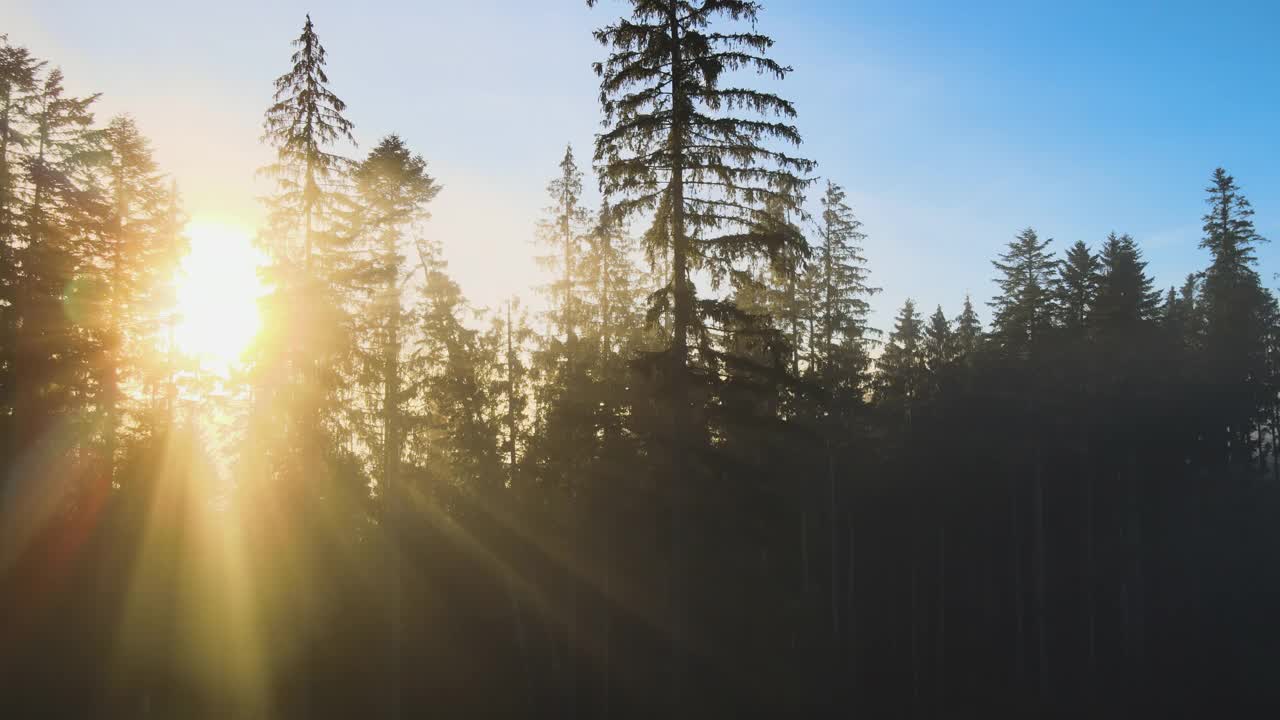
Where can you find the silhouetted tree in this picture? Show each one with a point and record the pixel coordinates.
(901, 366)
(1235, 309)
(838, 290)
(968, 330)
(1076, 288)
(1022, 309)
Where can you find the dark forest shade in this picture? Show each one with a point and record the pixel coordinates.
(699, 486)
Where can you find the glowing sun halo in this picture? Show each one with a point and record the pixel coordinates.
(218, 290)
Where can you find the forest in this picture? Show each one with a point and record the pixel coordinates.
(687, 478)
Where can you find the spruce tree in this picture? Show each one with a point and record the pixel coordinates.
(455, 440)
(613, 285)
(697, 153)
(514, 335)
(968, 330)
(59, 209)
(19, 80)
(392, 190)
(901, 366)
(837, 287)
(1235, 308)
(1182, 314)
(1125, 293)
(939, 342)
(704, 159)
(564, 232)
(1023, 310)
(1076, 288)
(134, 254)
(303, 123)
(296, 358)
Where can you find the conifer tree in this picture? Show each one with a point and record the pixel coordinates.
(303, 123)
(696, 152)
(1235, 308)
(561, 451)
(59, 208)
(1182, 314)
(901, 367)
(392, 189)
(705, 159)
(133, 256)
(297, 357)
(780, 279)
(1125, 294)
(514, 336)
(1022, 309)
(613, 285)
(564, 232)
(1076, 288)
(455, 439)
(19, 79)
(838, 293)
(939, 342)
(968, 330)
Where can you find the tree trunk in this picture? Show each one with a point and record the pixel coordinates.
(915, 638)
(835, 550)
(390, 489)
(1019, 643)
(511, 402)
(940, 681)
(1041, 600)
(682, 319)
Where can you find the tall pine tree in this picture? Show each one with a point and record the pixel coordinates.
(1023, 310)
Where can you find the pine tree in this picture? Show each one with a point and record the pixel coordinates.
(1182, 314)
(564, 232)
(702, 157)
(1125, 294)
(680, 143)
(613, 286)
(1022, 310)
(19, 80)
(513, 338)
(837, 294)
(59, 208)
(1076, 288)
(454, 441)
(1235, 309)
(295, 367)
(968, 330)
(303, 123)
(133, 256)
(939, 342)
(562, 450)
(781, 280)
(901, 367)
(392, 189)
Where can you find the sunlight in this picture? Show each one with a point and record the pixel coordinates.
(218, 290)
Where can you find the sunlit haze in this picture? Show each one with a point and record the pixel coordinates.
(218, 289)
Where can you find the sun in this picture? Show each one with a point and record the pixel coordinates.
(217, 294)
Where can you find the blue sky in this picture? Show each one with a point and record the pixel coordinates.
(952, 124)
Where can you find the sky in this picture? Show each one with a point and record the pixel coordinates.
(952, 125)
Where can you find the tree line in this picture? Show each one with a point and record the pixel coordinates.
(697, 482)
